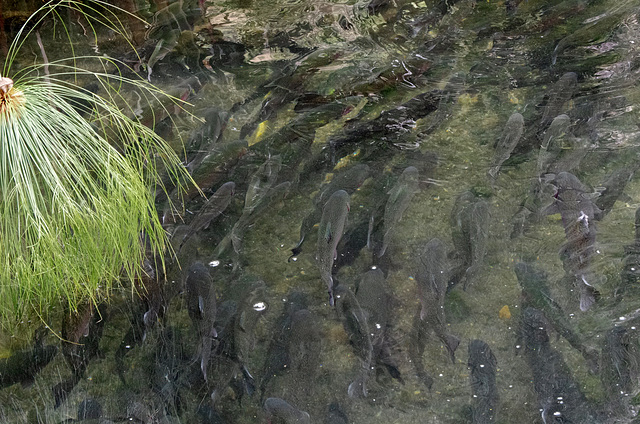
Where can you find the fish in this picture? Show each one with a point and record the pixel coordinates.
(536, 294)
(261, 181)
(612, 188)
(335, 415)
(389, 127)
(278, 355)
(559, 395)
(510, 137)
(470, 233)
(349, 180)
(482, 364)
(432, 276)
(202, 140)
(400, 197)
(202, 308)
(553, 143)
(630, 274)
(236, 322)
(23, 366)
(281, 412)
(331, 229)
(620, 368)
(558, 95)
(89, 409)
(574, 149)
(81, 334)
(573, 200)
(531, 209)
(212, 171)
(267, 201)
(373, 296)
(213, 207)
(354, 320)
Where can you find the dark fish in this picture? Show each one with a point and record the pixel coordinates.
(208, 415)
(89, 409)
(81, 334)
(470, 233)
(620, 368)
(561, 92)
(354, 320)
(261, 181)
(611, 189)
(553, 143)
(213, 207)
(332, 225)
(399, 199)
(236, 322)
(389, 127)
(510, 137)
(202, 141)
(268, 201)
(536, 294)
(482, 364)
(630, 274)
(559, 395)
(575, 205)
(349, 181)
(281, 412)
(278, 355)
(201, 305)
(335, 415)
(213, 170)
(574, 149)
(432, 275)
(374, 299)
(532, 207)
(23, 366)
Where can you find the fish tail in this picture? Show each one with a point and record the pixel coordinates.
(383, 249)
(588, 294)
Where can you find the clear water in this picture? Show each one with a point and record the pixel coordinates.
(327, 86)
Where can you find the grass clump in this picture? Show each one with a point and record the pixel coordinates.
(77, 192)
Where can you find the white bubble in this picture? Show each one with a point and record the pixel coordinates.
(213, 264)
(259, 306)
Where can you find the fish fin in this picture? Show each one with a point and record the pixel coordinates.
(327, 233)
(588, 295)
(552, 209)
(394, 194)
(625, 198)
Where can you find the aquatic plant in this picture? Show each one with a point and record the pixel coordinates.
(77, 192)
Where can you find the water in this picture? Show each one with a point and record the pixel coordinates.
(327, 86)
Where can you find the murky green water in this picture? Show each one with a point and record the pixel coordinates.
(327, 86)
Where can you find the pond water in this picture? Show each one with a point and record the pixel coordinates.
(506, 130)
